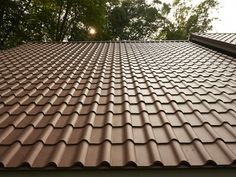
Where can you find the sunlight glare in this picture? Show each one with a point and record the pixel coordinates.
(92, 31)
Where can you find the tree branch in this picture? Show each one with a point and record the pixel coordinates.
(58, 20)
(64, 21)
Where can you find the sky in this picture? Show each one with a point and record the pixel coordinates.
(226, 14)
(227, 17)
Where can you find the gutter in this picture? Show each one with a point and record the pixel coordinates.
(221, 46)
(160, 172)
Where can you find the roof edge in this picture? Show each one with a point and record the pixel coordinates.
(223, 47)
(109, 41)
(194, 172)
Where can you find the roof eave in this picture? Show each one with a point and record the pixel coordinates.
(167, 172)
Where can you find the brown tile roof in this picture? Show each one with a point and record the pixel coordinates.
(223, 37)
(223, 42)
(116, 104)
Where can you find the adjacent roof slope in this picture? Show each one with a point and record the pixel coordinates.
(223, 37)
(224, 42)
(117, 104)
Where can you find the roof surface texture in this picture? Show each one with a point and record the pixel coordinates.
(223, 37)
(223, 42)
(139, 104)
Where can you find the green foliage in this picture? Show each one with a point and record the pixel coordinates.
(12, 18)
(135, 19)
(58, 20)
(68, 20)
(51, 20)
(187, 19)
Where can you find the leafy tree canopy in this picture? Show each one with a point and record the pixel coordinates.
(182, 18)
(66, 20)
(50, 20)
(135, 19)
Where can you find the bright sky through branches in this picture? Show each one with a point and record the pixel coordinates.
(226, 22)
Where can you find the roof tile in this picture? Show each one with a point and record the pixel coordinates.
(103, 104)
(224, 37)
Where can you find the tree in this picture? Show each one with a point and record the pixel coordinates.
(12, 16)
(51, 20)
(186, 18)
(58, 20)
(69, 20)
(135, 19)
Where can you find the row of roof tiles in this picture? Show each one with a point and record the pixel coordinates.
(41, 100)
(173, 91)
(194, 119)
(154, 108)
(118, 135)
(117, 120)
(223, 37)
(40, 155)
(167, 87)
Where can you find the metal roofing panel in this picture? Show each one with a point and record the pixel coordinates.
(224, 37)
(224, 42)
(117, 104)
